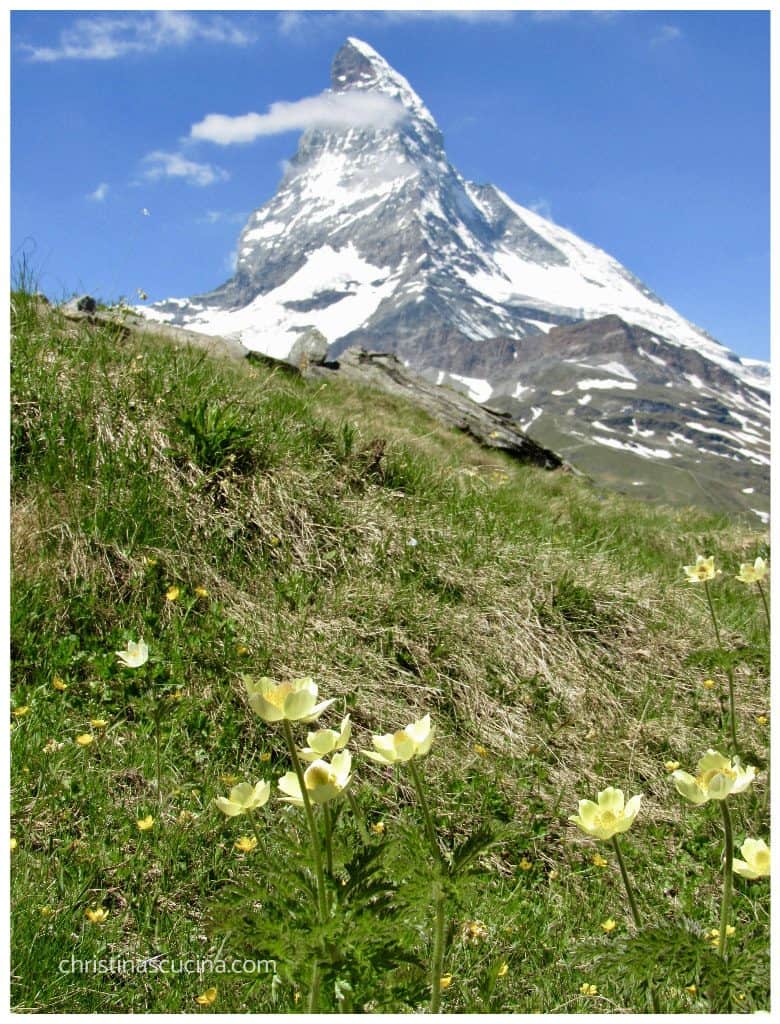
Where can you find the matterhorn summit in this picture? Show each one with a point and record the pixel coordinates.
(375, 239)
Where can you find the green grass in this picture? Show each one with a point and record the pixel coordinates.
(544, 624)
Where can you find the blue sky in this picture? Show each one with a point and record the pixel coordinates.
(647, 134)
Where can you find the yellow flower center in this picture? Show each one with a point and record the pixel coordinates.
(761, 861)
(607, 818)
(319, 775)
(278, 695)
(704, 780)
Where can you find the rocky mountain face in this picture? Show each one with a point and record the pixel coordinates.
(375, 240)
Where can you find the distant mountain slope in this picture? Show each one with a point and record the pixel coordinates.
(375, 239)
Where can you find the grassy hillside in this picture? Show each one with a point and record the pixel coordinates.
(243, 521)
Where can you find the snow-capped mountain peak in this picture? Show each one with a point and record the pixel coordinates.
(374, 238)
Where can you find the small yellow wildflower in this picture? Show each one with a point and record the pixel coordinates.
(445, 981)
(150, 561)
(172, 593)
(176, 695)
(14, 844)
(229, 780)
(762, 720)
(703, 570)
(609, 925)
(208, 997)
(709, 684)
(245, 844)
(97, 915)
(144, 824)
(20, 712)
(85, 739)
(378, 828)
(201, 592)
(474, 931)
(588, 990)
(265, 757)
(503, 970)
(553, 874)
(479, 749)
(598, 861)
(525, 864)
(692, 989)
(58, 684)
(46, 911)
(753, 573)
(672, 766)
(242, 650)
(98, 723)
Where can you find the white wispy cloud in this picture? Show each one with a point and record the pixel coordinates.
(666, 34)
(100, 192)
(223, 217)
(543, 207)
(101, 37)
(173, 165)
(328, 110)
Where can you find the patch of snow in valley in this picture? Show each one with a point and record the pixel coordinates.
(763, 516)
(634, 447)
(586, 385)
(479, 390)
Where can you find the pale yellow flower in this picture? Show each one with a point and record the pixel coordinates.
(709, 684)
(716, 778)
(752, 573)
(242, 650)
(293, 701)
(692, 989)
(762, 720)
(413, 741)
(85, 739)
(598, 861)
(445, 981)
(207, 998)
(672, 766)
(172, 593)
(98, 723)
(525, 864)
(134, 655)
(479, 749)
(756, 862)
(244, 797)
(97, 915)
(703, 570)
(588, 990)
(326, 741)
(609, 816)
(323, 781)
(378, 828)
(21, 711)
(14, 844)
(503, 970)
(144, 824)
(609, 925)
(245, 844)
(58, 684)
(201, 592)
(265, 757)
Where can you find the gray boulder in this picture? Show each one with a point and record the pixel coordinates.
(310, 349)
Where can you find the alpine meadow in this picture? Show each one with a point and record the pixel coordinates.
(320, 705)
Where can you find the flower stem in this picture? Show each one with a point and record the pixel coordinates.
(634, 907)
(315, 844)
(627, 883)
(254, 827)
(729, 672)
(728, 877)
(437, 958)
(430, 829)
(437, 955)
(766, 605)
(157, 730)
(328, 841)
